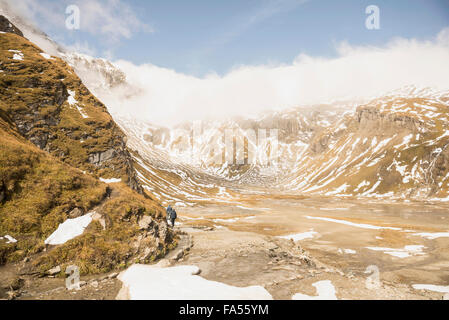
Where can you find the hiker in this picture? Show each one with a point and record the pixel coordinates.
(171, 215)
(169, 209)
(108, 192)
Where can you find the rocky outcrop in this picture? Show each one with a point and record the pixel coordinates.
(2, 192)
(98, 158)
(370, 117)
(145, 222)
(7, 26)
(99, 73)
(75, 213)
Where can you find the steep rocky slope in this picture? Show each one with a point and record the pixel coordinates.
(178, 164)
(394, 146)
(57, 144)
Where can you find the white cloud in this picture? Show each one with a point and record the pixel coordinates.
(113, 20)
(81, 47)
(166, 97)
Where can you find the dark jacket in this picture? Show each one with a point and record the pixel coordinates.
(171, 213)
(169, 210)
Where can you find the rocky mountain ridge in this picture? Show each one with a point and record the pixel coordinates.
(393, 146)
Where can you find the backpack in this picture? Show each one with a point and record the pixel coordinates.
(173, 214)
(169, 212)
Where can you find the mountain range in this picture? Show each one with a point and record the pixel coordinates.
(63, 154)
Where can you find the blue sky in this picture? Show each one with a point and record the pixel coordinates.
(198, 37)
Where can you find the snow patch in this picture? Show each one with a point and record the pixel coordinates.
(231, 220)
(73, 102)
(69, 229)
(300, 236)
(9, 238)
(46, 56)
(324, 289)
(407, 251)
(339, 190)
(71, 99)
(145, 282)
(431, 287)
(433, 235)
(362, 184)
(352, 224)
(347, 251)
(18, 55)
(112, 180)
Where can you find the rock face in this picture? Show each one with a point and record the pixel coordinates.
(6, 26)
(393, 146)
(145, 222)
(2, 192)
(99, 158)
(75, 213)
(371, 118)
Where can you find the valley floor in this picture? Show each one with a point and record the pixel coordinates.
(408, 243)
(356, 249)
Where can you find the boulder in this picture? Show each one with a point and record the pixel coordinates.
(7, 26)
(100, 218)
(15, 284)
(75, 213)
(54, 271)
(164, 263)
(145, 222)
(148, 252)
(164, 232)
(98, 158)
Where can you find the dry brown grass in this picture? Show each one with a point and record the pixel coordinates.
(42, 187)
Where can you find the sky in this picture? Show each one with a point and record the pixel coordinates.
(200, 37)
(188, 60)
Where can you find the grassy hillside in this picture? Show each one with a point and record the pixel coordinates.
(53, 109)
(56, 141)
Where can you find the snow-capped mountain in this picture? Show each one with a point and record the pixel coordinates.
(100, 74)
(394, 146)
